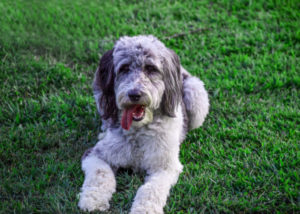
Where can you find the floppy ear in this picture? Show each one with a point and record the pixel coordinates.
(103, 87)
(173, 84)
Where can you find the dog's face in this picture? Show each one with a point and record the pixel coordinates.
(139, 76)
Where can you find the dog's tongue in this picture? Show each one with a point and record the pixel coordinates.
(128, 115)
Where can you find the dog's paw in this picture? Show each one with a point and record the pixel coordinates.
(146, 210)
(91, 199)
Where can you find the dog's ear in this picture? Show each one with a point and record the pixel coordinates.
(173, 84)
(103, 87)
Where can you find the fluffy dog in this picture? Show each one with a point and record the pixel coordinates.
(147, 102)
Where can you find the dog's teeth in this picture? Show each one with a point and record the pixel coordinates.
(137, 116)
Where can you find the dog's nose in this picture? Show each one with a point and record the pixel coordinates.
(134, 95)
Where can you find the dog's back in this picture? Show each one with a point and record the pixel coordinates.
(195, 98)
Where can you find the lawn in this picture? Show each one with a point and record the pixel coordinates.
(244, 159)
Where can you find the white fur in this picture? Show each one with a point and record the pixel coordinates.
(197, 107)
(98, 186)
(154, 149)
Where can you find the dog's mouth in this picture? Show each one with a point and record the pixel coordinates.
(132, 113)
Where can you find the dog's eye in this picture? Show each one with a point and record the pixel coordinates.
(151, 69)
(124, 69)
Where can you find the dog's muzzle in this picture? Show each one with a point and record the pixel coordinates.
(132, 113)
(134, 95)
(134, 109)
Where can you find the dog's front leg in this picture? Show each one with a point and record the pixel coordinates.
(151, 197)
(99, 184)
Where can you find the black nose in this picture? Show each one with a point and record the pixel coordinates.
(134, 95)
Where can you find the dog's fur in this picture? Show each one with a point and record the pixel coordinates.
(174, 101)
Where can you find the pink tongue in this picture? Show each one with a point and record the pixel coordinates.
(128, 115)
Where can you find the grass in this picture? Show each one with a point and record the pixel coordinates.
(245, 158)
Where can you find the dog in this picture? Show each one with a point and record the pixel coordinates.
(147, 102)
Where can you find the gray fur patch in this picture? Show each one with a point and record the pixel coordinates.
(86, 153)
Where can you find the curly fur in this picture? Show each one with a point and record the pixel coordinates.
(174, 101)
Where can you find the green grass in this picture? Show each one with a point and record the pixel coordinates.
(244, 159)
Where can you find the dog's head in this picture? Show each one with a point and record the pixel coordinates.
(137, 77)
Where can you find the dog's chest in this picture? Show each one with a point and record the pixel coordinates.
(143, 142)
(153, 145)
